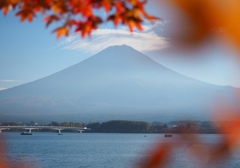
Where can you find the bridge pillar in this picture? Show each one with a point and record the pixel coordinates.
(59, 130)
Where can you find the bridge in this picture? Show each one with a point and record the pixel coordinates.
(30, 128)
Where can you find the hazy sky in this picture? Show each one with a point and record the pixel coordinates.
(29, 51)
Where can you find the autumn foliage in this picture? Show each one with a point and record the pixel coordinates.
(206, 18)
(82, 16)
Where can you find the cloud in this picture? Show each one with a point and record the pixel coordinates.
(9, 81)
(147, 40)
(3, 88)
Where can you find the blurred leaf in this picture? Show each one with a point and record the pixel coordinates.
(159, 156)
(50, 19)
(25, 14)
(61, 31)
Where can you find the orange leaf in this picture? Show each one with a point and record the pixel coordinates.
(106, 5)
(130, 24)
(50, 19)
(87, 11)
(133, 2)
(5, 10)
(56, 8)
(115, 18)
(119, 7)
(149, 17)
(61, 31)
(158, 157)
(25, 14)
(59, 7)
(139, 26)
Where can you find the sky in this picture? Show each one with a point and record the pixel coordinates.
(30, 51)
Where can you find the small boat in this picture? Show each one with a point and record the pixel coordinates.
(26, 133)
(60, 134)
(168, 135)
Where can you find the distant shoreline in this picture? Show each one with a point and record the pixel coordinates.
(126, 126)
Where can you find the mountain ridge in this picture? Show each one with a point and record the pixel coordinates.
(116, 82)
(125, 46)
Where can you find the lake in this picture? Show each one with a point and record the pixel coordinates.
(99, 150)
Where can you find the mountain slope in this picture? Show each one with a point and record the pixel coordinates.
(117, 83)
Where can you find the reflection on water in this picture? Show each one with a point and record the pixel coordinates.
(94, 150)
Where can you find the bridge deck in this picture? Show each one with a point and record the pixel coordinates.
(44, 127)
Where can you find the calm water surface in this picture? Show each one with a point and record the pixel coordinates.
(93, 150)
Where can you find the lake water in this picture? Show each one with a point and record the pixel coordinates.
(98, 150)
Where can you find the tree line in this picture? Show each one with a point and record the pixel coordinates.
(125, 126)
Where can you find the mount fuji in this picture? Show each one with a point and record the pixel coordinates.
(116, 83)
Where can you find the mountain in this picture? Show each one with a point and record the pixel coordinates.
(117, 83)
